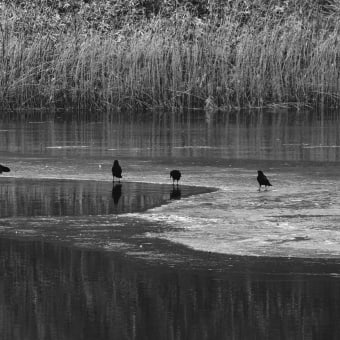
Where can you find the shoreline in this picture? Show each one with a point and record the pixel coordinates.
(180, 257)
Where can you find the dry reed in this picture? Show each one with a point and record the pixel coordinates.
(233, 65)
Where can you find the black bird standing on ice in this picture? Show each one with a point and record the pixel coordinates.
(116, 170)
(4, 169)
(176, 176)
(263, 180)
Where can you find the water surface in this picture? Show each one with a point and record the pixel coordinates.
(84, 258)
(21, 197)
(299, 151)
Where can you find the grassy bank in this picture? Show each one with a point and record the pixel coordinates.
(250, 57)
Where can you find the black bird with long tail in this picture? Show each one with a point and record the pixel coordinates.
(116, 170)
(4, 169)
(263, 180)
(175, 175)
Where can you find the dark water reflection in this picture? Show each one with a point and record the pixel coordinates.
(52, 197)
(268, 135)
(176, 193)
(53, 292)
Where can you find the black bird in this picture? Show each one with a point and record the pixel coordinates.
(116, 170)
(116, 193)
(263, 180)
(4, 169)
(176, 176)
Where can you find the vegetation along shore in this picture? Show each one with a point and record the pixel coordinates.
(141, 54)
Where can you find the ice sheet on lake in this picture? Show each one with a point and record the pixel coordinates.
(298, 217)
(289, 222)
(67, 147)
(320, 146)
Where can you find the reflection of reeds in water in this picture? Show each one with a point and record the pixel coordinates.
(279, 62)
(272, 134)
(97, 296)
(75, 198)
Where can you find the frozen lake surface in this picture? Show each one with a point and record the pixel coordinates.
(300, 153)
(297, 217)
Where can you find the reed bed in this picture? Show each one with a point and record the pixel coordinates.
(184, 65)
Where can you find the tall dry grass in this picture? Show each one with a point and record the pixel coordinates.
(180, 65)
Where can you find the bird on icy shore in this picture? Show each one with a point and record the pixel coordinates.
(4, 169)
(263, 180)
(175, 175)
(116, 170)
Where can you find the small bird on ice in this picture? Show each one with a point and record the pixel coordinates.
(116, 170)
(4, 169)
(175, 175)
(263, 180)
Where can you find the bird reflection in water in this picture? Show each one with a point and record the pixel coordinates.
(116, 192)
(175, 193)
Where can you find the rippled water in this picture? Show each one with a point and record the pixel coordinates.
(214, 258)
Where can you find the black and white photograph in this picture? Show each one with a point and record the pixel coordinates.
(169, 169)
